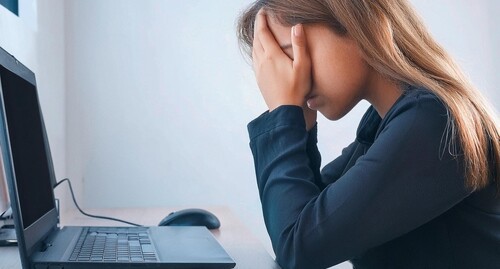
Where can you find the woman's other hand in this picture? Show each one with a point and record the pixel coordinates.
(282, 80)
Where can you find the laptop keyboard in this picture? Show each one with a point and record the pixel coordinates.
(114, 244)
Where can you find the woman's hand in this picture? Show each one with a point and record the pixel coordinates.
(282, 81)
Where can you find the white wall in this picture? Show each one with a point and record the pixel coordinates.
(158, 98)
(469, 31)
(51, 82)
(36, 39)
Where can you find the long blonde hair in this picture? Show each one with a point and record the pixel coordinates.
(396, 44)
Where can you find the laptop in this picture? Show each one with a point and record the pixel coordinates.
(30, 177)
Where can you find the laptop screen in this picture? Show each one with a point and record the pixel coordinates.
(29, 156)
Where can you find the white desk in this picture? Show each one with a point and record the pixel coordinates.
(238, 241)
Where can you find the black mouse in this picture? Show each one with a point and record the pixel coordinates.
(191, 217)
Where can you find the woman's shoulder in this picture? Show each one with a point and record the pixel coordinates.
(418, 111)
(421, 99)
(416, 106)
(421, 103)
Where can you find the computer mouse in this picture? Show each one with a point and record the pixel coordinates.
(191, 217)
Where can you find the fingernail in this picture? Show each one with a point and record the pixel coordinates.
(297, 30)
(309, 105)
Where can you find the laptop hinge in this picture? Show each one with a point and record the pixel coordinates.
(45, 246)
(47, 242)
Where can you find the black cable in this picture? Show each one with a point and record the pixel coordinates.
(6, 217)
(90, 215)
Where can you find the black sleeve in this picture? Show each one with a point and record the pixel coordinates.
(402, 182)
(333, 170)
(314, 156)
(336, 168)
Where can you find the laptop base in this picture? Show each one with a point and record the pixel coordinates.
(176, 247)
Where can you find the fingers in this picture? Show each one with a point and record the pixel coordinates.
(257, 46)
(299, 46)
(281, 80)
(262, 34)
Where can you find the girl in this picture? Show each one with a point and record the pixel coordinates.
(419, 186)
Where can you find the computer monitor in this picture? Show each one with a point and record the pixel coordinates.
(27, 165)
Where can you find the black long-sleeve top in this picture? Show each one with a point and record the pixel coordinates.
(395, 198)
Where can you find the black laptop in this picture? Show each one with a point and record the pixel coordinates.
(30, 176)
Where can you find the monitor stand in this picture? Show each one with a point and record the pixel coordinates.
(8, 236)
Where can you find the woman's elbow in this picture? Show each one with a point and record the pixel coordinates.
(291, 253)
(296, 250)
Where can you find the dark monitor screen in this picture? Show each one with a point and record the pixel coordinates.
(29, 155)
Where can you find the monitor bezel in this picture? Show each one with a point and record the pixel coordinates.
(29, 238)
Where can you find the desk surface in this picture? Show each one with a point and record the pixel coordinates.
(238, 241)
